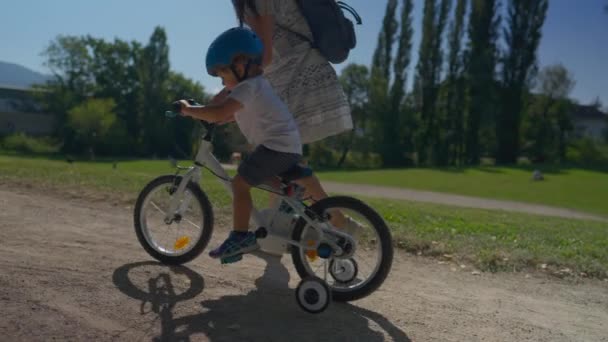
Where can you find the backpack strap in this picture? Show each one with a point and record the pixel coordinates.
(352, 11)
(342, 5)
(298, 34)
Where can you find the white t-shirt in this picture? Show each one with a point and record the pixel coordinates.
(264, 118)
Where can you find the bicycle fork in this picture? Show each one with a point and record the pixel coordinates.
(179, 203)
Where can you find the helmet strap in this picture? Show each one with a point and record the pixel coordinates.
(236, 74)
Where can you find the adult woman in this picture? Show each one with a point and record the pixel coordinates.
(299, 74)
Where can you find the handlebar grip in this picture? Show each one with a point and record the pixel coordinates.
(193, 102)
(177, 107)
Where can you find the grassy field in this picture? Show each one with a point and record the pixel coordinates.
(573, 188)
(488, 240)
(495, 240)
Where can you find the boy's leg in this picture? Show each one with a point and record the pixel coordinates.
(241, 204)
(260, 165)
(240, 240)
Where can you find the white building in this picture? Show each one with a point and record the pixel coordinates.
(19, 112)
(589, 121)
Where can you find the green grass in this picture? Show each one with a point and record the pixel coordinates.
(128, 178)
(495, 240)
(489, 240)
(584, 190)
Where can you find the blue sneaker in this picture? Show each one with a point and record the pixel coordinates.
(236, 244)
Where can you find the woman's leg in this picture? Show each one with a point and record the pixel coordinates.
(315, 190)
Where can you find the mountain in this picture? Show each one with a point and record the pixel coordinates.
(18, 76)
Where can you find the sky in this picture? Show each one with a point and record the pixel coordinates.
(575, 33)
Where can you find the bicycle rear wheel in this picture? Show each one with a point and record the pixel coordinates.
(358, 275)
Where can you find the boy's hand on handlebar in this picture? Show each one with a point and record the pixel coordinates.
(182, 107)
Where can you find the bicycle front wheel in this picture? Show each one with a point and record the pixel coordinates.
(181, 236)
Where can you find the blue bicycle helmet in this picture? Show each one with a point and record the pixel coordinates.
(234, 42)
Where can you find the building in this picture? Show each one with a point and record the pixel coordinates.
(19, 112)
(590, 122)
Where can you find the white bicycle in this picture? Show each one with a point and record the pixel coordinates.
(344, 261)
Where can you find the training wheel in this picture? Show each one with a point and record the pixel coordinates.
(313, 295)
(343, 270)
(261, 233)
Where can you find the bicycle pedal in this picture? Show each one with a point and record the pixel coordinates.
(232, 259)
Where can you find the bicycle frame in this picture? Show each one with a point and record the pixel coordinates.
(205, 158)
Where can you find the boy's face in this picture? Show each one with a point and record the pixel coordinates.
(229, 80)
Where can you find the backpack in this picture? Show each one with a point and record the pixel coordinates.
(333, 34)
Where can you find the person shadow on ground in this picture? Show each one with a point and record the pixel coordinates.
(267, 313)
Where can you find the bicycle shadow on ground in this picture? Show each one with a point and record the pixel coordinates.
(267, 313)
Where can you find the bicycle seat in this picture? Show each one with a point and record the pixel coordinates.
(295, 172)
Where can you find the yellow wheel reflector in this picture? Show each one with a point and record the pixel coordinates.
(311, 253)
(181, 242)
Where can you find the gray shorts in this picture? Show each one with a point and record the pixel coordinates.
(264, 163)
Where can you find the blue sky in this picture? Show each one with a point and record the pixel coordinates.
(575, 33)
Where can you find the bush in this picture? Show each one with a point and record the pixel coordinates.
(360, 160)
(321, 156)
(20, 142)
(524, 161)
(587, 152)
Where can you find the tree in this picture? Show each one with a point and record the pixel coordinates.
(355, 82)
(522, 36)
(427, 79)
(115, 72)
(555, 82)
(381, 60)
(379, 86)
(402, 59)
(69, 60)
(548, 113)
(136, 77)
(153, 72)
(184, 131)
(480, 72)
(92, 121)
(394, 118)
(455, 87)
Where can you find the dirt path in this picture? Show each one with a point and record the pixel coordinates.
(73, 271)
(456, 200)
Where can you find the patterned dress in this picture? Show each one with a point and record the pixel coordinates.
(302, 77)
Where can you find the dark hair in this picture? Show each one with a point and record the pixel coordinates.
(241, 5)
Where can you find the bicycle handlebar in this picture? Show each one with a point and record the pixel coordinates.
(177, 108)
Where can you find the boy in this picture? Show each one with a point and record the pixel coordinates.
(262, 117)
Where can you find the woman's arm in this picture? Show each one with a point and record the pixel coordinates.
(220, 112)
(263, 26)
